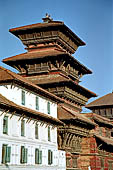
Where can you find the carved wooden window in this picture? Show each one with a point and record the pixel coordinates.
(5, 125)
(67, 162)
(110, 166)
(24, 155)
(6, 153)
(102, 162)
(108, 133)
(108, 112)
(76, 145)
(74, 162)
(100, 131)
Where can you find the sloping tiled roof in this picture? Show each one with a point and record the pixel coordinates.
(50, 25)
(45, 54)
(106, 100)
(57, 78)
(33, 55)
(99, 118)
(9, 76)
(108, 141)
(7, 104)
(48, 78)
(65, 113)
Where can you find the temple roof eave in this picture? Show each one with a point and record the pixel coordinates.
(52, 24)
(43, 55)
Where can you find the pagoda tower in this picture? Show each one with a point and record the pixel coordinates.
(49, 64)
(48, 61)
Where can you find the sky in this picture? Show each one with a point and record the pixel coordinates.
(91, 20)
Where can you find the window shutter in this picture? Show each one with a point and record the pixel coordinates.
(5, 125)
(49, 138)
(37, 103)
(22, 127)
(22, 154)
(4, 153)
(23, 98)
(51, 157)
(36, 156)
(40, 157)
(8, 154)
(25, 155)
(48, 107)
(36, 131)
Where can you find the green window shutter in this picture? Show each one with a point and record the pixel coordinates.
(37, 103)
(25, 155)
(36, 131)
(22, 154)
(48, 107)
(5, 125)
(8, 154)
(49, 157)
(23, 98)
(4, 153)
(49, 137)
(36, 156)
(22, 127)
(40, 157)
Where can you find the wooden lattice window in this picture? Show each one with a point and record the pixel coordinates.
(102, 162)
(74, 162)
(110, 166)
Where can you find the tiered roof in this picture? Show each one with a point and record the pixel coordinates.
(44, 55)
(99, 119)
(106, 100)
(66, 114)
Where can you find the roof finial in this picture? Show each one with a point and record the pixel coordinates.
(47, 18)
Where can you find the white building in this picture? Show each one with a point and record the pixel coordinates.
(28, 126)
